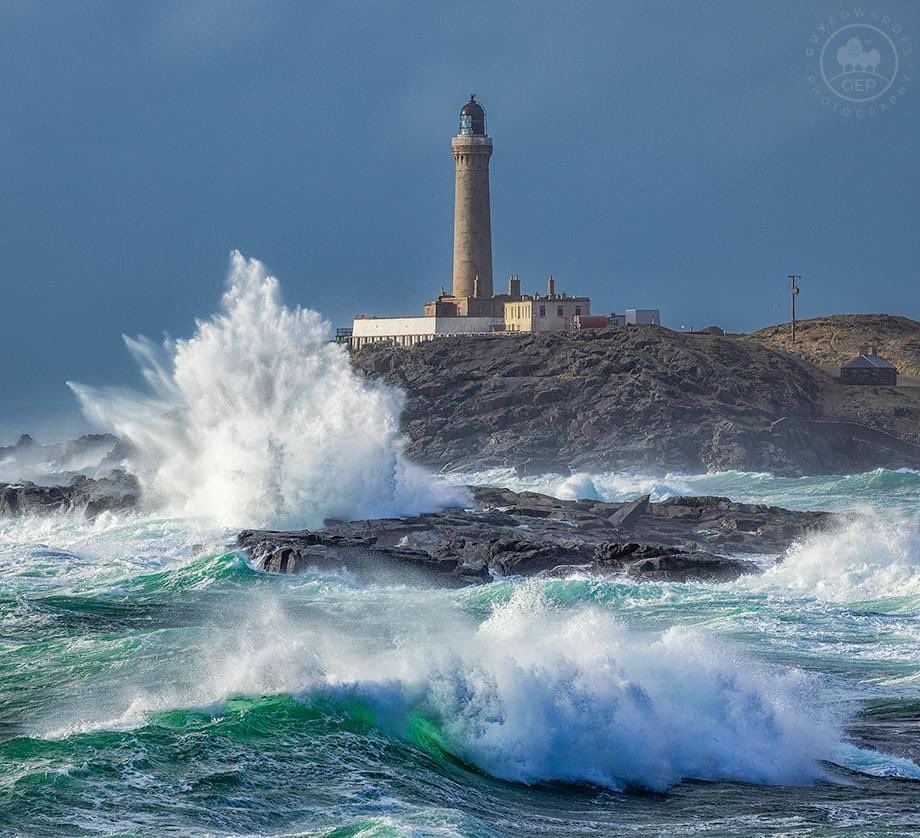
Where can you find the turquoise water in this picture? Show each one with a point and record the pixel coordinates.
(879, 489)
(153, 683)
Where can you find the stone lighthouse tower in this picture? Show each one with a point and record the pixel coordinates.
(472, 148)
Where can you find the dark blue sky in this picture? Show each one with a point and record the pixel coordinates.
(648, 154)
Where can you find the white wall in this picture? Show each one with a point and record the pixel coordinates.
(377, 328)
(388, 326)
(643, 316)
(407, 331)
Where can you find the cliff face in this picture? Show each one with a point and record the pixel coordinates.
(639, 397)
(829, 341)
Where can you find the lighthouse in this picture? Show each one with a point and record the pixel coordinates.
(472, 307)
(471, 149)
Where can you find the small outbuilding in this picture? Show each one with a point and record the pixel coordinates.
(869, 368)
(643, 317)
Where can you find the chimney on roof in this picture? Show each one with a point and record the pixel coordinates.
(550, 286)
(514, 285)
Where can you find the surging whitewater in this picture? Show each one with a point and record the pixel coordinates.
(143, 667)
(591, 702)
(259, 420)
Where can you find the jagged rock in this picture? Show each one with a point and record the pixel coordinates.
(619, 555)
(529, 534)
(111, 491)
(630, 512)
(57, 462)
(651, 562)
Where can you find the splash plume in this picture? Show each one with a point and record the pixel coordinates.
(258, 419)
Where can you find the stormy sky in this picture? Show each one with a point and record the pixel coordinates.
(647, 154)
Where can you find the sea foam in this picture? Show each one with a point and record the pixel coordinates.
(534, 693)
(539, 694)
(867, 557)
(258, 419)
(882, 489)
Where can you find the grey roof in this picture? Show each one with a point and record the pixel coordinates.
(870, 361)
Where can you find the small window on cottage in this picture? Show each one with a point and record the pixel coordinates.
(559, 311)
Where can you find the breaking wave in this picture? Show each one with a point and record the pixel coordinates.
(532, 694)
(592, 702)
(258, 419)
(867, 558)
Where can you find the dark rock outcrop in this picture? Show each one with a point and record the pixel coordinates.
(529, 534)
(110, 491)
(632, 397)
(630, 512)
(56, 462)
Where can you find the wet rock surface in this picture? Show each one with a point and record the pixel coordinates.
(110, 491)
(529, 534)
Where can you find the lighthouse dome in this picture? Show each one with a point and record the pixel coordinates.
(473, 118)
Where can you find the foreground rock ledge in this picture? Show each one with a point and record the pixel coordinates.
(529, 534)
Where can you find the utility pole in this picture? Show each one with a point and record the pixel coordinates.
(794, 289)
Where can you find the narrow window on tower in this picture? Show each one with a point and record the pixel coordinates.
(578, 311)
(559, 311)
(542, 311)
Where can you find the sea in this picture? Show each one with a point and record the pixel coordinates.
(154, 683)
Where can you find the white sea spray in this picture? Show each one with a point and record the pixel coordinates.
(533, 693)
(258, 419)
(863, 557)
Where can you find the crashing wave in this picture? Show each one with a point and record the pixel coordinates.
(258, 419)
(868, 557)
(533, 694)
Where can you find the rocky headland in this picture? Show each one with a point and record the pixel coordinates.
(529, 534)
(630, 398)
(639, 398)
(829, 341)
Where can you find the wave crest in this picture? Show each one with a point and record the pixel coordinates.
(541, 694)
(867, 558)
(533, 694)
